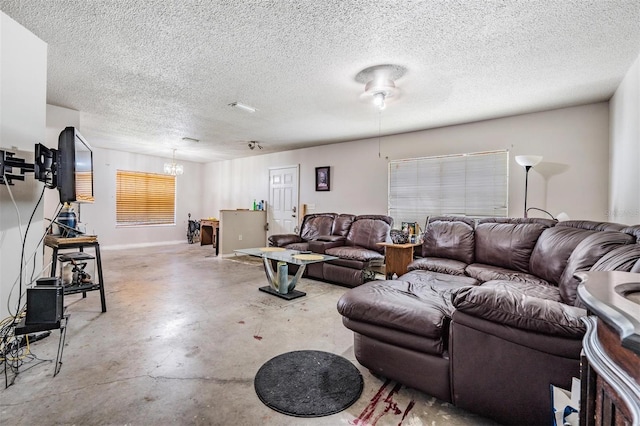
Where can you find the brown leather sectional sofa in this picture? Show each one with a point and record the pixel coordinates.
(488, 317)
(353, 239)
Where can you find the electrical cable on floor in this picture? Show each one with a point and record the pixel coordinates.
(33, 254)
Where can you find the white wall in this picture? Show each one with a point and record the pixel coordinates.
(100, 217)
(624, 200)
(23, 87)
(573, 176)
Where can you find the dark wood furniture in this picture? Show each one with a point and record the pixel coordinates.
(78, 244)
(210, 233)
(610, 371)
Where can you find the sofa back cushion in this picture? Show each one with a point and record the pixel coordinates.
(449, 238)
(555, 245)
(633, 231)
(342, 224)
(368, 230)
(315, 225)
(584, 257)
(508, 243)
(622, 258)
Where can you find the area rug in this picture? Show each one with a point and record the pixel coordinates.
(308, 383)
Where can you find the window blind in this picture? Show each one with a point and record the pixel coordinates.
(145, 198)
(84, 186)
(473, 185)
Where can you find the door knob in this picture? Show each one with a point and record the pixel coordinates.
(293, 209)
(293, 215)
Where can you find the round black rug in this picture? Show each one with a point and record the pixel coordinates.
(308, 383)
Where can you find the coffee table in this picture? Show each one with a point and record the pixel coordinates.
(279, 283)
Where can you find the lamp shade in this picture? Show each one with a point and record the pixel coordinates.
(528, 160)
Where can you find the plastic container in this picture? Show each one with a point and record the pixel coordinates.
(67, 216)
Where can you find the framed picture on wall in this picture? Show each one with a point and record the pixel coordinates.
(323, 182)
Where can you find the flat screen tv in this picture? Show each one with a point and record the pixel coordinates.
(74, 167)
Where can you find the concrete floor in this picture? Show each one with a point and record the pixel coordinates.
(184, 334)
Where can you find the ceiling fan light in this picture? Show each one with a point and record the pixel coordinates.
(380, 85)
(378, 100)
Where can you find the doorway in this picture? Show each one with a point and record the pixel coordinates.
(283, 200)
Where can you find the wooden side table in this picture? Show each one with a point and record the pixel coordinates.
(397, 257)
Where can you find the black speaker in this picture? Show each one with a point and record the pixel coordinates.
(44, 304)
(49, 281)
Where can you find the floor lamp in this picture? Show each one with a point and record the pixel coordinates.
(527, 161)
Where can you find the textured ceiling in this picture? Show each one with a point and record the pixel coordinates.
(145, 74)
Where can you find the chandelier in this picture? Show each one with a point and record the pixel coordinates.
(172, 168)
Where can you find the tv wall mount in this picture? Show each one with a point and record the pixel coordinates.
(44, 167)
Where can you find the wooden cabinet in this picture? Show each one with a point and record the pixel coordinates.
(610, 373)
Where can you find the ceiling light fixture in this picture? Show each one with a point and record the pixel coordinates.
(243, 107)
(378, 100)
(172, 168)
(254, 144)
(379, 83)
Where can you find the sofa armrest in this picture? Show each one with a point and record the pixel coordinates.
(282, 240)
(516, 309)
(321, 246)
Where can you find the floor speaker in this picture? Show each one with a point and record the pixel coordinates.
(44, 304)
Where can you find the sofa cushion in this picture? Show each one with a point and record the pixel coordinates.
(592, 225)
(633, 231)
(484, 273)
(317, 224)
(507, 306)
(548, 292)
(354, 253)
(507, 245)
(585, 255)
(341, 224)
(449, 238)
(282, 240)
(330, 238)
(298, 246)
(438, 280)
(436, 264)
(621, 258)
(368, 230)
(412, 307)
(552, 251)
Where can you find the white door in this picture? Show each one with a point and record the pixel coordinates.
(283, 200)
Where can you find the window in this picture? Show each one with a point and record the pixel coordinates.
(459, 185)
(145, 198)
